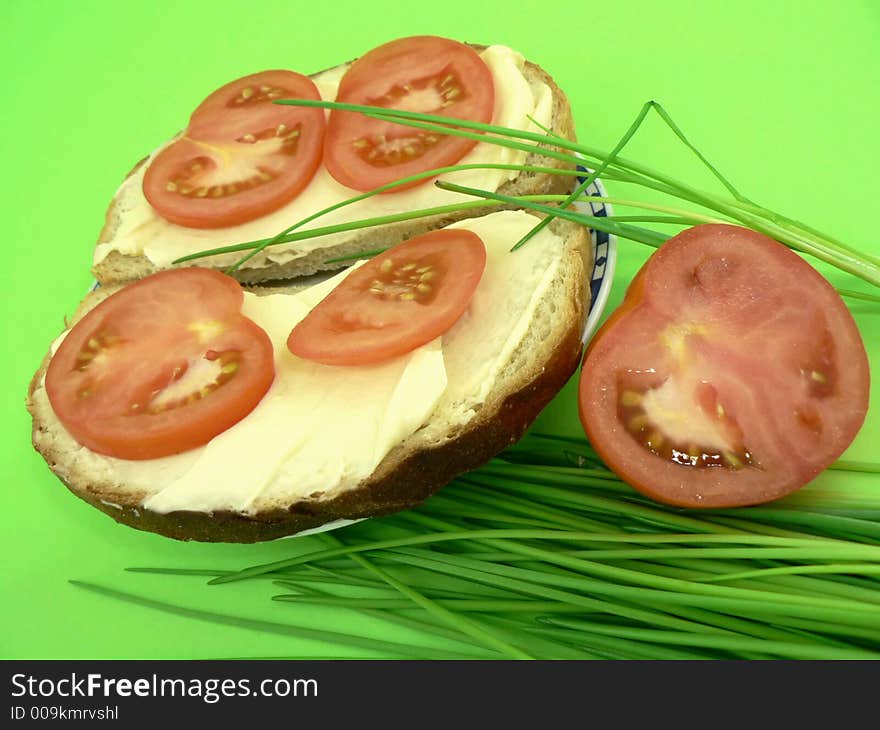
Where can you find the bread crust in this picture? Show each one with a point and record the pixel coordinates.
(118, 268)
(409, 474)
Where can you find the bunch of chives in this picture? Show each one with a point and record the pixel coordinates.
(545, 554)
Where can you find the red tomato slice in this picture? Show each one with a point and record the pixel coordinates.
(394, 303)
(161, 366)
(241, 156)
(732, 374)
(421, 74)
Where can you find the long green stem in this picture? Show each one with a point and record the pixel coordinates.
(783, 546)
(280, 236)
(756, 217)
(787, 229)
(349, 226)
(859, 295)
(591, 178)
(273, 627)
(788, 650)
(467, 626)
(574, 588)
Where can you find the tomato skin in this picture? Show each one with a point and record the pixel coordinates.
(105, 379)
(757, 349)
(241, 156)
(394, 303)
(381, 78)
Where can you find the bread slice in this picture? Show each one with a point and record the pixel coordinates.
(118, 258)
(459, 434)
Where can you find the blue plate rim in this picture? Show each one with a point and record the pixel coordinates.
(604, 256)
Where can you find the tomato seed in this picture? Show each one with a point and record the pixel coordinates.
(638, 423)
(732, 461)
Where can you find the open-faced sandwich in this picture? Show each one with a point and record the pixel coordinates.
(246, 168)
(179, 402)
(183, 405)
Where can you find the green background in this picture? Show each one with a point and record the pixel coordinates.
(782, 96)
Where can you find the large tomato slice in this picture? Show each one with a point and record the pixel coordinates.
(394, 303)
(732, 374)
(161, 366)
(242, 156)
(422, 74)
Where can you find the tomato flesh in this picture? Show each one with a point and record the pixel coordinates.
(394, 303)
(732, 373)
(161, 366)
(242, 156)
(422, 74)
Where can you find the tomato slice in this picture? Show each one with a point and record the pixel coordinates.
(161, 366)
(242, 156)
(731, 374)
(422, 74)
(394, 303)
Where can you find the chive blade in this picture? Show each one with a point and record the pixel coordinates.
(271, 627)
(591, 178)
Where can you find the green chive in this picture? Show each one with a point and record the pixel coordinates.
(332, 637)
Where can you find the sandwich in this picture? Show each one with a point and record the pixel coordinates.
(235, 396)
(246, 168)
(300, 433)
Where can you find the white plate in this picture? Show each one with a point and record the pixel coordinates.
(604, 258)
